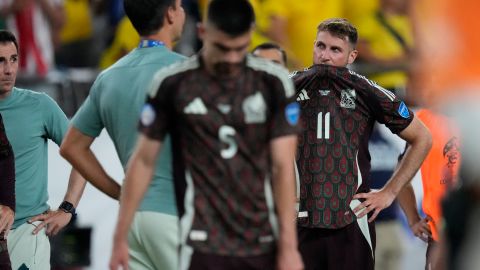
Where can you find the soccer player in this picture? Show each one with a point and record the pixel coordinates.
(31, 119)
(271, 51)
(7, 194)
(114, 103)
(339, 109)
(233, 122)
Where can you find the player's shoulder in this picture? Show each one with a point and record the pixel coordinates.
(175, 69)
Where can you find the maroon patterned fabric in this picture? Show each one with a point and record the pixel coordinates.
(221, 133)
(338, 111)
(7, 170)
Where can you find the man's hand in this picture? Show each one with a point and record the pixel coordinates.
(375, 200)
(53, 221)
(119, 255)
(7, 216)
(289, 259)
(421, 229)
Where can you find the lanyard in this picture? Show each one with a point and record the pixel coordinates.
(147, 43)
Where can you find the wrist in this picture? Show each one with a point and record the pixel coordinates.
(67, 207)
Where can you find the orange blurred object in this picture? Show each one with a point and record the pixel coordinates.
(449, 48)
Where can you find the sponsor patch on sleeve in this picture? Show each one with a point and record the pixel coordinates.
(148, 115)
(403, 110)
(292, 113)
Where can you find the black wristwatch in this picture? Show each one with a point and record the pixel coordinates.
(67, 207)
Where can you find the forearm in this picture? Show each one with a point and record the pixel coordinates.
(283, 190)
(418, 149)
(408, 203)
(88, 165)
(76, 186)
(283, 178)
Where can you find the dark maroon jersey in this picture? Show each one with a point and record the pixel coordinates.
(7, 170)
(221, 132)
(339, 109)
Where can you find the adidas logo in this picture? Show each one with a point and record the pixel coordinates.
(303, 95)
(196, 106)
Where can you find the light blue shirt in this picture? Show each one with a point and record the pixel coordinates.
(115, 102)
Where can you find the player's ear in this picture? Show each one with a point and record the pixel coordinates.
(352, 56)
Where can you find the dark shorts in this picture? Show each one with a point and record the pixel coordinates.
(4, 258)
(337, 249)
(202, 261)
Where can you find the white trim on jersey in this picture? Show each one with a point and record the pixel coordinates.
(163, 73)
(387, 93)
(362, 222)
(297, 186)
(276, 70)
(186, 222)
(272, 217)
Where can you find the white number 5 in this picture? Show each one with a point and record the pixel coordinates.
(226, 135)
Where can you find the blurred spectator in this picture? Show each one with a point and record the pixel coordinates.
(385, 45)
(189, 43)
(355, 10)
(439, 174)
(76, 36)
(449, 75)
(293, 26)
(125, 40)
(37, 25)
(271, 51)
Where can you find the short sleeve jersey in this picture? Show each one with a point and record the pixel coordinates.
(339, 109)
(221, 132)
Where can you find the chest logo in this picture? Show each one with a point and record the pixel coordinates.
(348, 99)
(324, 92)
(303, 95)
(254, 109)
(196, 106)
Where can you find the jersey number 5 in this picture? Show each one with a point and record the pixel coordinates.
(226, 135)
(323, 126)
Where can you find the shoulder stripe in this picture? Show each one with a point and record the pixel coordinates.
(163, 73)
(387, 93)
(274, 69)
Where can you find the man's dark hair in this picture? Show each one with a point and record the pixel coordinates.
(7, 36)
(269, 46)
(340, 28)
(147, 15)
(233, 17)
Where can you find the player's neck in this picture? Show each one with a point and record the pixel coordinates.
(162, 36)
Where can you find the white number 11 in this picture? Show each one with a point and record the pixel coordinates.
(323, 133)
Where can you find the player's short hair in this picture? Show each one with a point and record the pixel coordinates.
(233, 17)
(147, 15)
(7, 36)
(269, 46)
(340, 28)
